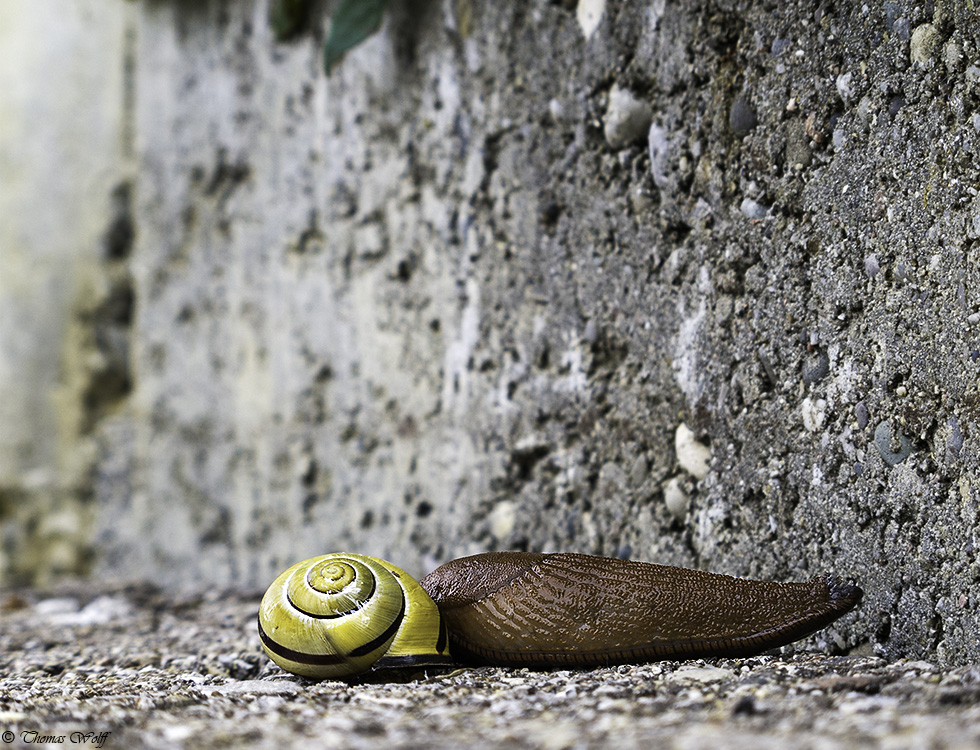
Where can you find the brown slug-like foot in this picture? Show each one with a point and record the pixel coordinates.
(524, 609)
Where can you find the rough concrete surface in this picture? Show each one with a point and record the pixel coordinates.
(692, 282)
(137, 668)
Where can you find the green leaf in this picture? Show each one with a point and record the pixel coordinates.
(353, 22)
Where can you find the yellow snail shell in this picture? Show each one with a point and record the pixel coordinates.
(342, 614)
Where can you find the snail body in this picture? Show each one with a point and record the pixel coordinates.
(523, 609)
(540, 610)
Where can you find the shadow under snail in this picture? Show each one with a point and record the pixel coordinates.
(340, 615)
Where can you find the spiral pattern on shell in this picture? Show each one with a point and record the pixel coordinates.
(342, 614)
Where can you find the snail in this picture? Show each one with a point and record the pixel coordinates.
(531, 610)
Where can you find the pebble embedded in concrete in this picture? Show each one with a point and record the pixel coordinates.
(845, 86)
(924, 44)
(814, 412)
(953, 56)
(815, 367)
(780, 45)
(657, 142)
(871, 266)
(589, 15)
(742, 117)
(638, 471)
(954, 444)
(753, 210)
(556, 110)
(693, 457)
(676, 499)
(893, 446)
(797, 151)
(627, 118)
(973, 75)
(503, 518)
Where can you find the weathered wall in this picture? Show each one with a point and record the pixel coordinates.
(64, 301)
(468, 292)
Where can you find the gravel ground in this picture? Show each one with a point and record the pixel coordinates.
(138, 667)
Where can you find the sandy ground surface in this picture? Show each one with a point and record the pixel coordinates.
(141, 668)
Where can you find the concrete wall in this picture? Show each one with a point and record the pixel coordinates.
(64, 144)
(687, 282)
